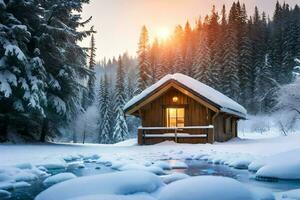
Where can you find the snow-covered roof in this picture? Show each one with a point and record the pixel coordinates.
(224, 103)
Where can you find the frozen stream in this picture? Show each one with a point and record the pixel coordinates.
(195, 168)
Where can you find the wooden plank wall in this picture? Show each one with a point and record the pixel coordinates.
(196, 114)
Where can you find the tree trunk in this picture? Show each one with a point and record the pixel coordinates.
(3, 129)
(44, 130)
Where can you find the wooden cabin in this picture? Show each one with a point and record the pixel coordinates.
(184, 110)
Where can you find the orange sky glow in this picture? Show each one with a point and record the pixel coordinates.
(118, 22)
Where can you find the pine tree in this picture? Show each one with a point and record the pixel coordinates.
(178, 62)
(121, 129)
(202, 63)
(231, 80)
(64, 61)
(143, 61)
(119, 88)
(90, 93)
(22, 70)
(154, 62)
(104, 111)
(245, 60)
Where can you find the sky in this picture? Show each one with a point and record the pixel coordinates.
(118, 22)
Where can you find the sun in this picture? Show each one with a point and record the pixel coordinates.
(163, 33)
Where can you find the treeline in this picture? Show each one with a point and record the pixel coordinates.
(117, 86)
(244, 57)
(42, 69)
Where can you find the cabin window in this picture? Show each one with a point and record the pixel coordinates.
(228, 127)
(175, 117)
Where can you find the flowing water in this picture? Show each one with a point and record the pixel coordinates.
(195, 168)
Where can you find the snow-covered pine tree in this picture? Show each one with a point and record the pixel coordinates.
(259, 38)
(90, 93)
(64, 60)
(105, 129)
(120, 130)
(231, 80)
(202, 63)
(178, 62)
(143, 61)
(245, 60)
(154, 62)
(119, 87)
(218, 59)
(22, 72)
(188, 50)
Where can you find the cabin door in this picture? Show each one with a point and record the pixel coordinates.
(175, 117)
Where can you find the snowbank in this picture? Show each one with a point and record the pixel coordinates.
(206, 187)
(126, 143)
(118, 183)
(281, 166)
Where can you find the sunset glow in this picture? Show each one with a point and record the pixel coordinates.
(163, 33)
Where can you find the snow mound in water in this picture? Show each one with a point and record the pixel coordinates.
(118, 183)
(115, 197)
(173, 177)
(275, 167)
(206, 187)
(163, 164)
(58, 178)
(153, 169)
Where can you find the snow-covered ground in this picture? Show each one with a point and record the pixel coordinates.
(270, 157)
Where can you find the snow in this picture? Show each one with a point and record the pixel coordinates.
(289, 195)
(58, 178)
(163, 164)
(129, 142)
(53, 164)
(7, 79)
(11, 49)
(206, 187)
(115, 197)
(274, 167)
(118, 183)
(2, 4)
(152, 169)
(276, 157)
(170, 178)
(223, 102)
(21, 184)
(4, 194)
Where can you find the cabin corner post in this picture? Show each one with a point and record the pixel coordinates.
(212, 131)
(140, 137)
(210, 135)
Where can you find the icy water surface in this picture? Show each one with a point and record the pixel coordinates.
(198, 168)
(195, 168)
